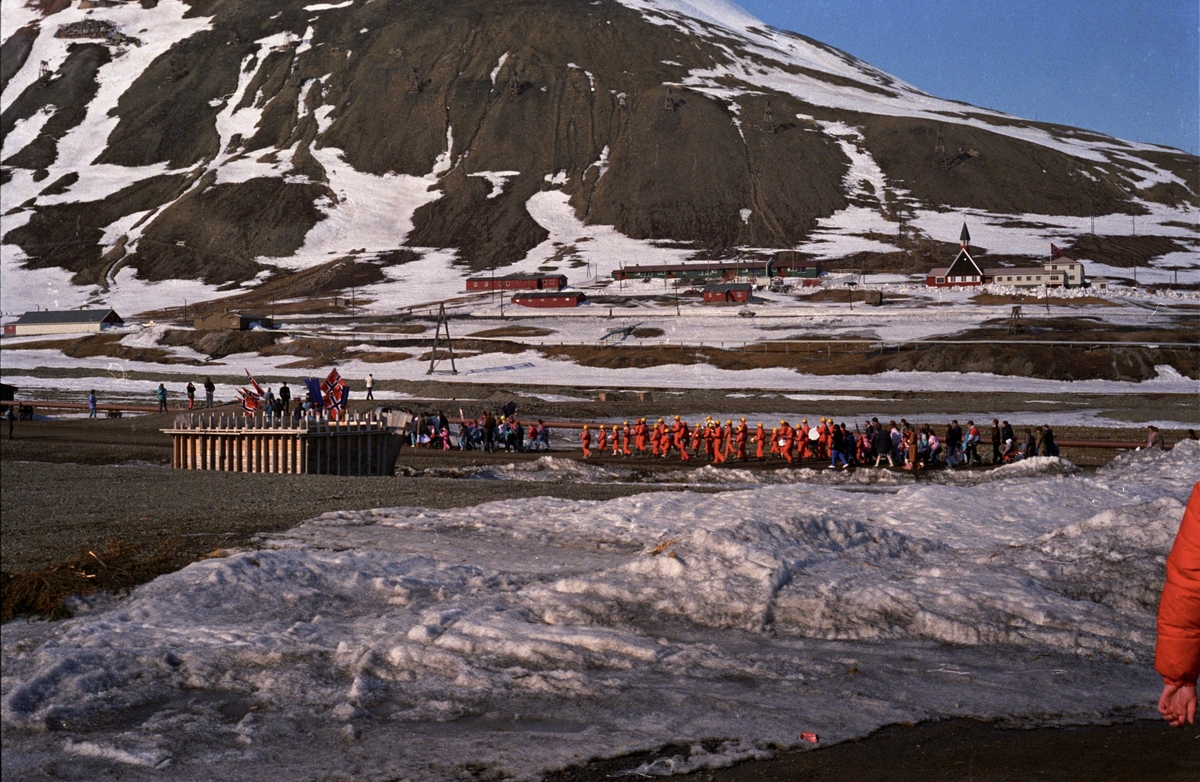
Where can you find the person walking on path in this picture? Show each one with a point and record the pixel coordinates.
(1177, 650)
(370, 386)
(585, 439)
(209, 389)
(10, 415)
(285, 396)
(161, 395)
(92, 403)
(191, 394)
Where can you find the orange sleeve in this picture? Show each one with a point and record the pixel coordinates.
(1177, 653)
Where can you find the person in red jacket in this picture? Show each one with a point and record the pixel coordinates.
(616, 447)
(639, 436)
(681, 437)
(585, 439)
(759, 435)
(788, 435)
(626, 451)
(602, 440)
(1177, 653)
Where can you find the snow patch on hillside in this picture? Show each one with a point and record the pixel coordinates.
(25, 131)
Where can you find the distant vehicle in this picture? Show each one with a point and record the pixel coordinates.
(747, 313)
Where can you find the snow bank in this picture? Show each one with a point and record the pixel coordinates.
(596, 628)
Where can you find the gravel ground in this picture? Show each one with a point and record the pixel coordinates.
(961, 750)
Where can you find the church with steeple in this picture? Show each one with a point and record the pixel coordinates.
(1059, 271)
(962, 271)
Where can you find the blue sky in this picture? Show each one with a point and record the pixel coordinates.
(1128, 69)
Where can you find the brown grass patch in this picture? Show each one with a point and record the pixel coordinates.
(1057, 362)
(382, 358)
(444, 355)
(647, 333)
(1084, 301)
(42, 344)
(117, 567)
(514, 331)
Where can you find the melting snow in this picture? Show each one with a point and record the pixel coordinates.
(408, 637)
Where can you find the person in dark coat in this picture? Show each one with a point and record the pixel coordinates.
(882, 442)
(997, 439)
(1046, 445)
(285, 396)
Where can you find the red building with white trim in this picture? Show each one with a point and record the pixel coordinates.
(530, 282)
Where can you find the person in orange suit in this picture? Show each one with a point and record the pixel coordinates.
(774, 442)
(626, 451)
(727, 438)
(697, 438)
(639, 436)
(601, 440)
(718, 443)
(616, 449)
(681, 438)
(805, 449)
(759, 436)
(708, 439)
(742, 434)
(1177, 651)
(824, 439)
(585, 438)
(787, 437)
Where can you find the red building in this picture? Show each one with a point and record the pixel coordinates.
(962, 271)
(732, 293)
(517, 282)
(549, 299)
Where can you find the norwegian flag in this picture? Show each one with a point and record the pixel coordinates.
(334, 389)
(257, 388)
(252, 400)
(1055, 253)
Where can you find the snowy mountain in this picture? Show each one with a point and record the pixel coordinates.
(220, 145)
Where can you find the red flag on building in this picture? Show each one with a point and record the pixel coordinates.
(1055, 253)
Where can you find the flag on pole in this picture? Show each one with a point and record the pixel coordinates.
(257, 388)
(334, 389)
(252, 400)
(1055, 253)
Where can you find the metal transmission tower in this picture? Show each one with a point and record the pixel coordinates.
(442, 323)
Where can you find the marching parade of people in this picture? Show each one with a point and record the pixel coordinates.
(901, 444)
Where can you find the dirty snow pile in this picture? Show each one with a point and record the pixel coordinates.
(522, 636)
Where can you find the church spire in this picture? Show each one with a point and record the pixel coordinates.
(965, 237)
